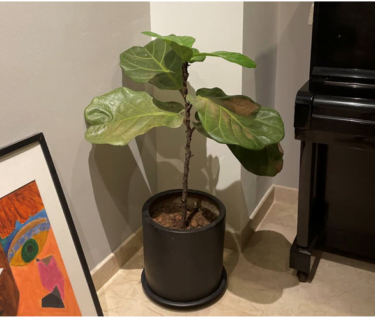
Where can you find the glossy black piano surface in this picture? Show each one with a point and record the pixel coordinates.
(344, 35)
(335, 121)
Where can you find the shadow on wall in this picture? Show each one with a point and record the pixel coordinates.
(204, 168)
(265, 88)
(123, 178)
(120, 189)
(74, 213)
(204, 174)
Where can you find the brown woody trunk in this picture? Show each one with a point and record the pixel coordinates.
(189, 131)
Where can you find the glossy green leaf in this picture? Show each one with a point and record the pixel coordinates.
(196, 58)
(199, 126)
(180, 44)
(236, 58)
(237, 119)
(184, 52)
(156, 63)
(265, 162)
(119, 116)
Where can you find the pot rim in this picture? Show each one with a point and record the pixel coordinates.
(147, 216)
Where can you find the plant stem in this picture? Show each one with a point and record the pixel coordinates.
(189, 132)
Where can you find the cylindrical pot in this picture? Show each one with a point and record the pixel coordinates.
(183, 268)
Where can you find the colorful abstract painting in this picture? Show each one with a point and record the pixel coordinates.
(33, 278)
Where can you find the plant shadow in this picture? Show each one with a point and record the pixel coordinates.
(123, 178)
(263, 270)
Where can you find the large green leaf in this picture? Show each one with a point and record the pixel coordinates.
(237, 119)
(156, 63)
(180, 44)
(199, 126)
(121, 115)
(266, 162)
(236, 58)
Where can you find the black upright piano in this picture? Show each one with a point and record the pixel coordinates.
(335, 122)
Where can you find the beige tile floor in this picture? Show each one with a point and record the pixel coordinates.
(260, 281)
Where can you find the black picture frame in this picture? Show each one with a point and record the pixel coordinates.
(39, 138)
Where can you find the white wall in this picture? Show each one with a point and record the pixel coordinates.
(293, 62)
(54, 58)
(277, 36)
(216, 26)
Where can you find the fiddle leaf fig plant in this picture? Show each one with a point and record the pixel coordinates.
(119, 116)
(251, 132)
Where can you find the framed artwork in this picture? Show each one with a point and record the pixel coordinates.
(43, 271)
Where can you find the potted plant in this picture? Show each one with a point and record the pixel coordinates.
(183, 229)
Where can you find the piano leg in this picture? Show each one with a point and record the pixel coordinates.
(300, 253)
(300, 259)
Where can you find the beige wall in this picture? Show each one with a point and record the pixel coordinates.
(54, 58)
(260, 43)
(293, 62)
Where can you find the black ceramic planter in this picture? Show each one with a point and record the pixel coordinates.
(183, 268)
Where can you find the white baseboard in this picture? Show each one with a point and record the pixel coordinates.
(233, 240)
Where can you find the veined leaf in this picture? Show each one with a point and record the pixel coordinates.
(266, 162)
(121, 115)
(156, 63)
(239, 104)
(236, 58)
(199, 126)
(196, 58)
(180, 44)
(184, 52)
(237, 119)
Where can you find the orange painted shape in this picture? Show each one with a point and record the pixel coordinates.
(19, 206)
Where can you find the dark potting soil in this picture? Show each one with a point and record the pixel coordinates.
(170, 217)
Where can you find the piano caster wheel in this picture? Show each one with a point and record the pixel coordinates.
(302, 276)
